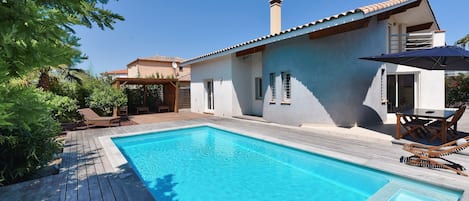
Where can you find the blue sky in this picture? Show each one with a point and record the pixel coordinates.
(189, 28)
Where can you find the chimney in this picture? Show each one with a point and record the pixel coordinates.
(275, 16)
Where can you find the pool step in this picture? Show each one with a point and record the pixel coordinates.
(397, 191)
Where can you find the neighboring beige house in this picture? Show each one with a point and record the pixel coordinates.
(116, 73)
(164, 67)
(158, 67)
(162, 71)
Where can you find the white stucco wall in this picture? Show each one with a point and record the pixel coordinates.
(432, 83)
(432, 89)
(376, 95)
(304, 107)
(256, 71)
(242, 98)
(329, 84)
(429, 84)
(220, 70)
(245, 70)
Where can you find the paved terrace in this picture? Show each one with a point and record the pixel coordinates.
(87, 173)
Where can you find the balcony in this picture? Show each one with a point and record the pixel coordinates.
(415, 41)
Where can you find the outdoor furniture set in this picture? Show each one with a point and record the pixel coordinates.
(421, 122)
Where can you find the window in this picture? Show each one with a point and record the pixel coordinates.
(286, 86)
(272, 85)
(258, 85)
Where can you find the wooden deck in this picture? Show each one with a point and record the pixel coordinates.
(87, 174)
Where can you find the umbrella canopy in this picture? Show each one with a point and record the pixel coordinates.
(437, 58)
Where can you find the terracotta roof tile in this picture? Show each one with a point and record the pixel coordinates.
(114, 72)
(380, 6)
(163, 58)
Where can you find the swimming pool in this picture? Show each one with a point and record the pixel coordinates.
(206, 163)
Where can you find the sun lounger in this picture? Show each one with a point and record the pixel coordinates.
(93, 119)
(432, 156)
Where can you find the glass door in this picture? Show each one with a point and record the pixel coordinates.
(400, 92)
(210, 103)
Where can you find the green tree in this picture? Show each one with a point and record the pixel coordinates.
(37, 35)
(457, 89)
(105, 98)
(64, 109)
(463, 41)
(55, 74)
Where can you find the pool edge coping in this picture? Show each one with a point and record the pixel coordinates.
(116, 158)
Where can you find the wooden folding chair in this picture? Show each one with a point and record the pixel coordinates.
(414, 126)
(452, 125)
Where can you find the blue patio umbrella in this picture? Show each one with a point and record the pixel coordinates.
(437, 58)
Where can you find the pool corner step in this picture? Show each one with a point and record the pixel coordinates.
(396, 191)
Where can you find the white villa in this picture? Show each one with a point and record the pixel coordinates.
(312, 74)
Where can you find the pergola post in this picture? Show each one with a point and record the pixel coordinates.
(116, 85)
(176, 95)
(145, 93)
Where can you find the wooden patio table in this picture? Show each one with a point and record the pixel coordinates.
(440, 115)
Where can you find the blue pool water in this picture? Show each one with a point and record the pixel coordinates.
(205, 163)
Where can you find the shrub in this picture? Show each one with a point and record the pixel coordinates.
(106, 98)
(64, 109)
(27, 132)
(457, 89)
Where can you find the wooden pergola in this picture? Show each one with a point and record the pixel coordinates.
(171, 89)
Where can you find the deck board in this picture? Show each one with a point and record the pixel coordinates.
(93, 184)
(82, 174)
(72, 181)
(65, 165)
(105, 186)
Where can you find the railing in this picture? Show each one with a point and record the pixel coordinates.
(410, 41)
